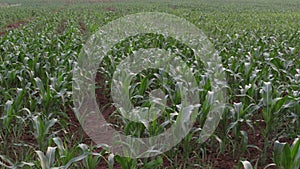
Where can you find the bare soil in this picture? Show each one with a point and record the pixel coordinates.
(13, 26)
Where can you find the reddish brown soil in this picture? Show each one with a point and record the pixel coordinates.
(82, 27)
(13, 26)
(111, 9)
(62, 26)
(2, 33)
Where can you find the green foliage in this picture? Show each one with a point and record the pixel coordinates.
(258, 42)
(286, 156)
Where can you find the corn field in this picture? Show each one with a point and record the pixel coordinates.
(258, 42)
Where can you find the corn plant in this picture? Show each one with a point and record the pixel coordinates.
(241, 115)
(65, 154)
(93, 159)
(133, 163)
(41, 130)
(47, 161)
(7, 163)
(272, 107)
(248, 165)
(126, 162)
(286, 156)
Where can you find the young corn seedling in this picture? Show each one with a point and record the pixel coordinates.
(133, 163)
(126, 162)
(155, 163)
(7, 163)
(272, 110)
(248, 165)
(241, 115)
(41, 130)
(286, 156)
(268, 115)
(47, 161)
(11, 115)
(93, 159)
(65, 154)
